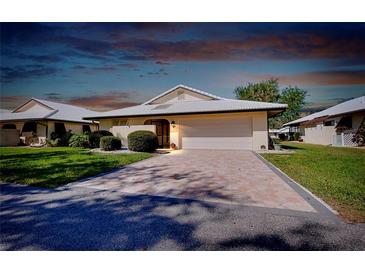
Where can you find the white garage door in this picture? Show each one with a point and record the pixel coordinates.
(217, 133)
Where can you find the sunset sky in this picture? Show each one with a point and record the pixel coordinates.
(111, 65)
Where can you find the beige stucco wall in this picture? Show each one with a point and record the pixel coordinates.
(9, 137)
(259, 125)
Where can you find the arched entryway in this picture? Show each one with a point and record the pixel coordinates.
(162, 131)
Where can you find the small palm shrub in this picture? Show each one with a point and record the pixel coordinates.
(79, 140)
(142, 141)
(110, 143)
(94, 137)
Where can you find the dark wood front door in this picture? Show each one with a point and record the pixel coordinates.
(162, 132)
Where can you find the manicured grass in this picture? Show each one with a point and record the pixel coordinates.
(52, 167)
(337, 175)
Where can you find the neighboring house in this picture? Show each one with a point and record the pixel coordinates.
(40, 118)
(275, 133)
(333, 126)
(194, 119)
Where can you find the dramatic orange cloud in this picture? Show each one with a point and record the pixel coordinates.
(322, 78)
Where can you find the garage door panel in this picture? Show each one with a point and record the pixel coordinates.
(217, 143)
(217, 133)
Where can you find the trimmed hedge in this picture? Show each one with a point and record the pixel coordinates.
(142, 141)
(94, 137)
(110, 143)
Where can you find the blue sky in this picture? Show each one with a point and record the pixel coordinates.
(111, 65)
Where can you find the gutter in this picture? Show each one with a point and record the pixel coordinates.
(182, 113)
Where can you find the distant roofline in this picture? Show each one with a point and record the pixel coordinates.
(185, 87)
(302, 120)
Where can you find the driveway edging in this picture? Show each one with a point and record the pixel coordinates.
(317, 203)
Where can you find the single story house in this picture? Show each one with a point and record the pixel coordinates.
(39, 118)
(275, 133)
(187, 118)
(333, 126)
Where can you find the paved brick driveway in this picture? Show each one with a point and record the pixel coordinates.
(234, 177)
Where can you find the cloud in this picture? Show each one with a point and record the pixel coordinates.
(107, 101)
(12, 101)
(321, 78)
(162, 63)
(160, 72)
(192, 42)
(106, 68)
(11, 74)
(287, 46)
(48, 58)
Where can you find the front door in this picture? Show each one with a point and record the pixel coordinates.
(162, 132)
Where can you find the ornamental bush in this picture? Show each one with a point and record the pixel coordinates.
(142, 141)
(94, 137)
(63, 138)
(79, 140)
(110, 143)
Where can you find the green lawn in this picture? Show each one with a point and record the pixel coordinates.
(337, 175)
(52, 167)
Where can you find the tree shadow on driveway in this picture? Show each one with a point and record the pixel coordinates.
(41, 219)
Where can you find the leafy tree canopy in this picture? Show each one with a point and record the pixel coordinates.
(265, 91)
(268, 91)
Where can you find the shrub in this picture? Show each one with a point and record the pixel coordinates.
(110, 143)
(282, 137)
(359, 136)
(63, 138)
(94, 137)
(296, 136)
(142, 141)
(53, 142)
(79, 140)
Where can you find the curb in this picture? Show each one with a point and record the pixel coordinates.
(318, 204)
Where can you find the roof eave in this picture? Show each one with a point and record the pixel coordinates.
(281, 109)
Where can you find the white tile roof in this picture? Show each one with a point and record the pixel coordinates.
(58, 111)
(357, 104)
(186, 107)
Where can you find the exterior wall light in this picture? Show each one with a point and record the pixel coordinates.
(173, 124)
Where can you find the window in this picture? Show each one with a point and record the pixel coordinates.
(30, 127)
(9, 126)
(59, 128)
(86, 128)
(329, 123)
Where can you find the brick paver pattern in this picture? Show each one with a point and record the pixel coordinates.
(233, 177)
